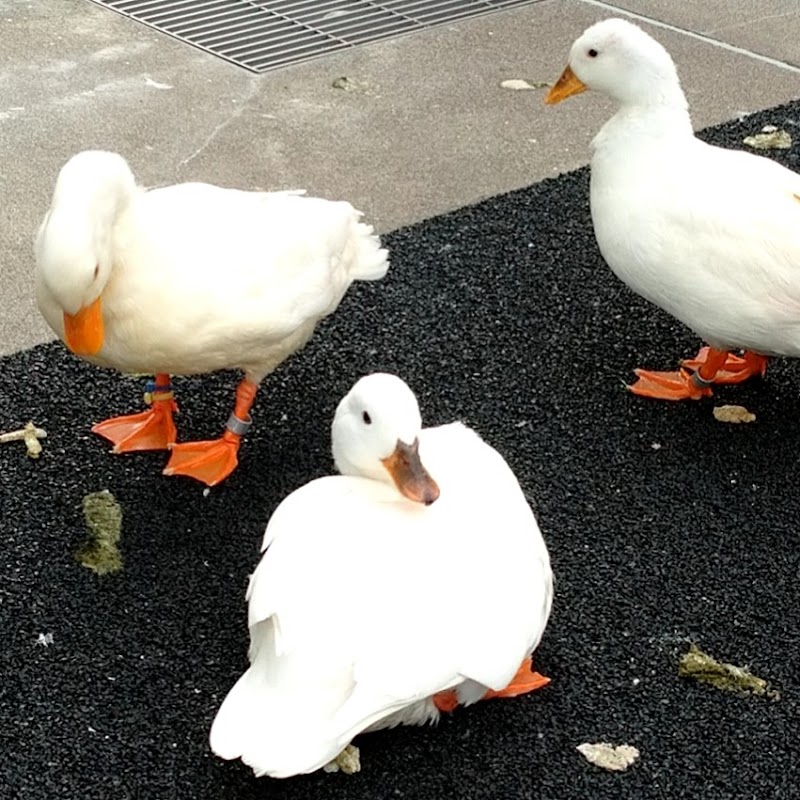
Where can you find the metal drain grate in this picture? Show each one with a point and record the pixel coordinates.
(265, 34)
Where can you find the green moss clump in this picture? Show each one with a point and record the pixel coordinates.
(702, 667)
(100, 552)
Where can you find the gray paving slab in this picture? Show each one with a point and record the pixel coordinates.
(427, 127)
(76, 76)
(767, 27)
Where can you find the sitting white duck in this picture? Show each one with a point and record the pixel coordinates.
(341, 642)
(189, 279)
(710, 235)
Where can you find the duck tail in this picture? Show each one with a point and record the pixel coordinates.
(371, 261)
(235, 719)
(261, 728)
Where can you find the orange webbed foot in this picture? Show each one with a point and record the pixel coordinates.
(211, 462)
(668, 386)
(735, 369)
(446, 701)
(208, 462)
(150, 430)
(526, 680)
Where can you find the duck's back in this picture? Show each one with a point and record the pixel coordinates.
(222, 268)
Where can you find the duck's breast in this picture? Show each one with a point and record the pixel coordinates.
(709, 235)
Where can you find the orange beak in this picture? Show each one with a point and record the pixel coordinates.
(83, 331)
(410, 477)
(566, 86)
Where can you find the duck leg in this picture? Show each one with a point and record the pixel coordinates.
(211, 462)
(683, 384)
(150, 430)
(736, 369)
(526, 680)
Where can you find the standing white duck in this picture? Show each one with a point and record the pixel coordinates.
(189, 279)
(412, 582)
(710, 235)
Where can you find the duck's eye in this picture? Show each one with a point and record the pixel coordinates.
(592, 53)
(96, 271)
(367, 418)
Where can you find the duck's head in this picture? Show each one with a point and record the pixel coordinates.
(74, 246)
(375, 434)
(620, 60)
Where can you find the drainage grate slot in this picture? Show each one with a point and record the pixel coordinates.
(266, 34)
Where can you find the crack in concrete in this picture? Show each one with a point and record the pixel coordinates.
(244, 101)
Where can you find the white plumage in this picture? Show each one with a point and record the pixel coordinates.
(192, 278)
(366, 604)
(710, 235)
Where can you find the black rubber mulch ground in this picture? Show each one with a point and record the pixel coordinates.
(664, 525)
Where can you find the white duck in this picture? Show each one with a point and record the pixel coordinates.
(189, 279)
(385, 595)
(710, 235)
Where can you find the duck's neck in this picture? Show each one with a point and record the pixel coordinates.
(661, 118)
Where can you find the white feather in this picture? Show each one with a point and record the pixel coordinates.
(710, 235)
(381, 602)
(195, 277)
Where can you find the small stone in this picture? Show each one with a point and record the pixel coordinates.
(349, 84)
(517, 84)
(348, 761)
(734, 415)
(607, 756)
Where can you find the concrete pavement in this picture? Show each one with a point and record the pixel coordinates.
(427, 129)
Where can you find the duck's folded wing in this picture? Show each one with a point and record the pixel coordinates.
(271, 260)
(738, 222)
(401, 593)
